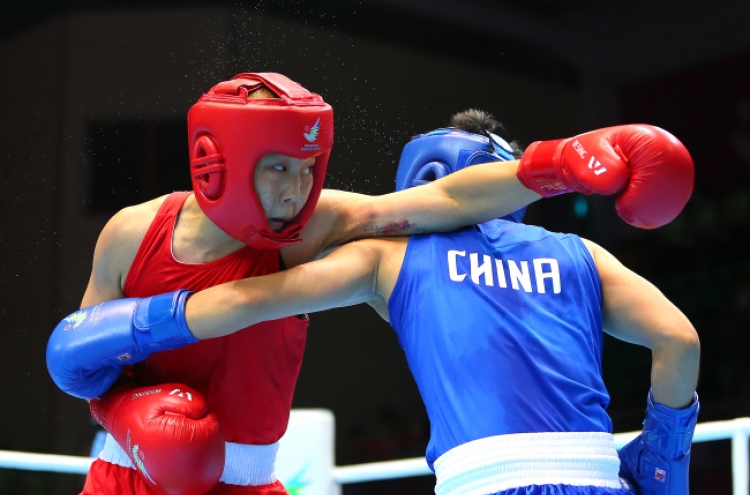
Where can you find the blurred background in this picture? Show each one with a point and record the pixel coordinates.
(93, 99)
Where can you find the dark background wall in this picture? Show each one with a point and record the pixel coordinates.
(93, 98)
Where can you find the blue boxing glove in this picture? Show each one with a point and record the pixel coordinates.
(657, 461)
(88, 349)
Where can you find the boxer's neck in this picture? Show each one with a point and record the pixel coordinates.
(196, 239)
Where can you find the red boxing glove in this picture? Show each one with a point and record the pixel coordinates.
(650, 166)
(167, 432)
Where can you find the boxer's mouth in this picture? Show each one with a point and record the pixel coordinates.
(276, 224)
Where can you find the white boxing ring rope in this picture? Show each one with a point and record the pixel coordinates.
(737, 430)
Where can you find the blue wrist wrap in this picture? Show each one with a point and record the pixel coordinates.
(657, 461)
(669, 432)
(160, 321)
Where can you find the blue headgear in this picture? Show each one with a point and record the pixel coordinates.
(434, 155)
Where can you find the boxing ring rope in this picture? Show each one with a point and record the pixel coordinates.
(737, 430)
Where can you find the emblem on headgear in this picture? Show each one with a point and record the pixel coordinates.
(228, 133)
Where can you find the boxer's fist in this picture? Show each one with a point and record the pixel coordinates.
(88, 349)
(649, 167)
(657, 461)
(167, 432)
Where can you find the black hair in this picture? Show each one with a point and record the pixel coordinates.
(481, 122)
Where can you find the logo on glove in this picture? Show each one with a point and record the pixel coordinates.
(179, 393)
(596, 166)
(139, 462)
(75, 319)
(660, 475)
(579, 149)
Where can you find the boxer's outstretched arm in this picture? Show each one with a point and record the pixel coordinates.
(474, 195)
(346, 277)
(635, 311)
(650, 168)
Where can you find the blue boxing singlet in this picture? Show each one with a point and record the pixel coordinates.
(501, 326)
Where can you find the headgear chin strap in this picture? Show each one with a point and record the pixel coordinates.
(434, 155)
(228, 134)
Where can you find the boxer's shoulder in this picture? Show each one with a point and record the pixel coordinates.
(132, 222)
(122, 235)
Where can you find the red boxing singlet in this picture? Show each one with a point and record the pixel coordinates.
(248, 377)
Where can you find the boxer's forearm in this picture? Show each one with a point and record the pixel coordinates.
(231, 307)
(474, 195)
(344, 278)
(635, 311)
(674, 370)
(219, 311)
(484, 192)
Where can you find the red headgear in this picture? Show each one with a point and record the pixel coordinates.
(228, 134)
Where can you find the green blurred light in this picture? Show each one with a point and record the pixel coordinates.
(581, 207)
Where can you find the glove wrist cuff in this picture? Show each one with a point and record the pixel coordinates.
(682, 412)
(160, 320)
(539, 168)
(668, 431)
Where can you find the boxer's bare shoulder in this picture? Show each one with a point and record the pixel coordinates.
(115, 250)
(133, 222)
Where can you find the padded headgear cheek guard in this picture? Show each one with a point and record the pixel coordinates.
(434, 155)
(228, 134)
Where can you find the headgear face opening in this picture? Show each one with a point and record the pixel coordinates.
(228, 134)
(434, 155)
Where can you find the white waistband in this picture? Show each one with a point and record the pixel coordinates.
(245, 465)
(502, 462)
